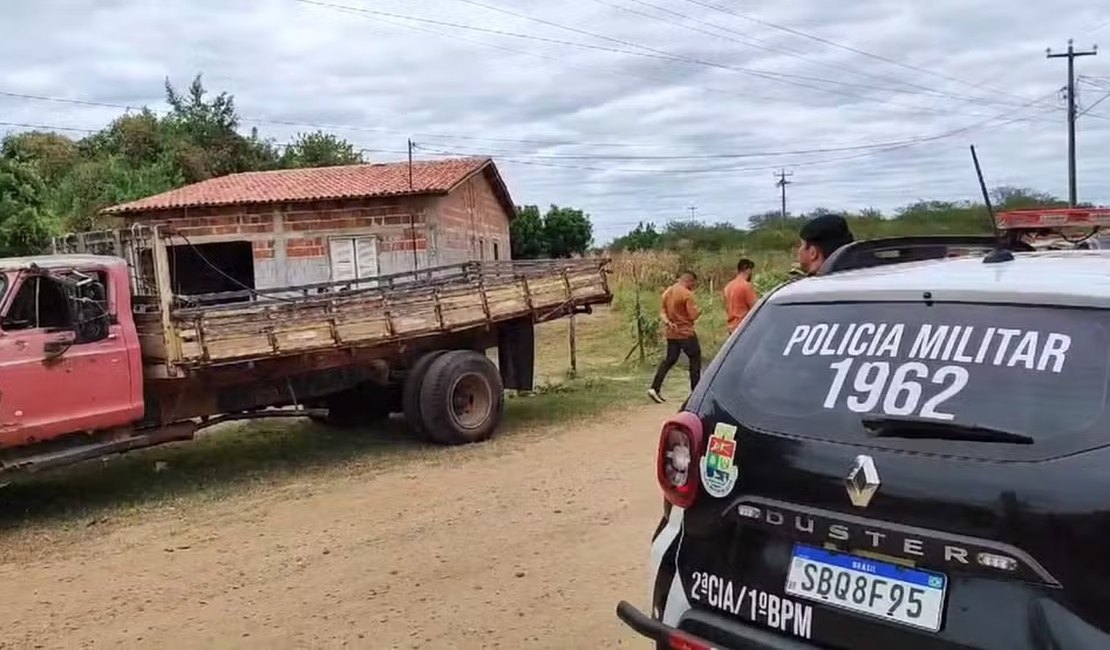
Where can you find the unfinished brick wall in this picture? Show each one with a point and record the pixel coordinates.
(469, 221)
(290, 241)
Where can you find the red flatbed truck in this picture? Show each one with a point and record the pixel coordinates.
(99, 356)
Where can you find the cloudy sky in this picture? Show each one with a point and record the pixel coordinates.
(629, 109)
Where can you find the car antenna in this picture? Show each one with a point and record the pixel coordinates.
(1000, 252)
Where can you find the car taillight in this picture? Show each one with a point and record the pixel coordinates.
(680, 446)
(680, 641)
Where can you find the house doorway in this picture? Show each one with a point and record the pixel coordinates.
(211, 268)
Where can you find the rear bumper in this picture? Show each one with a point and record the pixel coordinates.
(728, 634)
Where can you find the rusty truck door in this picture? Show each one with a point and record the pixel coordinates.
(50, 383)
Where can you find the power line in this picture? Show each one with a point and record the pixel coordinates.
(687, 59)
(1096, 103)
(1100, 83)
(713, 156)
(877, 150)
(649, 52)
(55, 127)
(867, 149)
(422, 135)
(340, 127)
(1097, 28)
(561, 61)
(760, 44)
(841, 46)
(45, 127)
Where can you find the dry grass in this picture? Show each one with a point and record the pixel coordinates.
(602, 343)
(657, 269)
(649, 273)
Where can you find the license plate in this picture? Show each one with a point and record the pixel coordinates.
(893, 593)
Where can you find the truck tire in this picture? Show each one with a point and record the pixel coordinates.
(461, 400)
(410, 394)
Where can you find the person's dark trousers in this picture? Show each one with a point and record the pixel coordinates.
(692, 349)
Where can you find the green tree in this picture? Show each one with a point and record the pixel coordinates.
(567, 231)
(770, 219)
(140, 138)
(526, 234)
(96, 184)
(51, 154)
(203, 136)
(319, 149)
(25, 224)
(1020, 198)
(701, 236)
(641, 238)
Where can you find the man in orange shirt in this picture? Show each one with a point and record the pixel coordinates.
(678, 313)
(740, 295)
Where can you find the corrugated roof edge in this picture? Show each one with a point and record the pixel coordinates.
(482, 164)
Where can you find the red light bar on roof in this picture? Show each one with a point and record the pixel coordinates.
(1054, 218)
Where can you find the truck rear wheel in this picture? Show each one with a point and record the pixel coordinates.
(461, 399)
(410, 395)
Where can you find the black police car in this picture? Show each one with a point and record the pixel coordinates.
(898, 455)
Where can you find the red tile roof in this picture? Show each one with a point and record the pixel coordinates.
(322, 183)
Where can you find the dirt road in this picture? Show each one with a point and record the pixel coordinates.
(528, 543)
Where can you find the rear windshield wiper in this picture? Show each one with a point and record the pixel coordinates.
(898, 427)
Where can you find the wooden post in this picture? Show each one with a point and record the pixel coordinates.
(639, 316)
(573, 348)
(165, 300)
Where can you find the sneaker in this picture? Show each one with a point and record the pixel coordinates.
(655, 396)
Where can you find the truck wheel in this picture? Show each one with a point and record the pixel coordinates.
(410, 394)
(461, 400)
(361, 406)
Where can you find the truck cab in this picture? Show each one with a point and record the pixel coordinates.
(69, 351)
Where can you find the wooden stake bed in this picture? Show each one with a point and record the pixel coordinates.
(278, 322)
(181, 333)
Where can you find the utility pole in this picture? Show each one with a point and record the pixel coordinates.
(693, 210)
(412, 213)
(1071, 55)
(782, 175)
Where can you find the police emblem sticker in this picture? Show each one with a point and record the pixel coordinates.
(718, 469)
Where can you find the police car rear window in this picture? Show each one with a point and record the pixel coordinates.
(821, 370)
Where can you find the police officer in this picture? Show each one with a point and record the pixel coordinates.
(819, 238)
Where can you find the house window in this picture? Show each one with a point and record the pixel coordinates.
(496, 251)
(353, 258)
(482, 249)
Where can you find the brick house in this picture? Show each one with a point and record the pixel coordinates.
(301, 226)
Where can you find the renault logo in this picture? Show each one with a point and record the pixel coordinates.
(862, 481)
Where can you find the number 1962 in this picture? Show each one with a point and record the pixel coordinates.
(898, 392)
